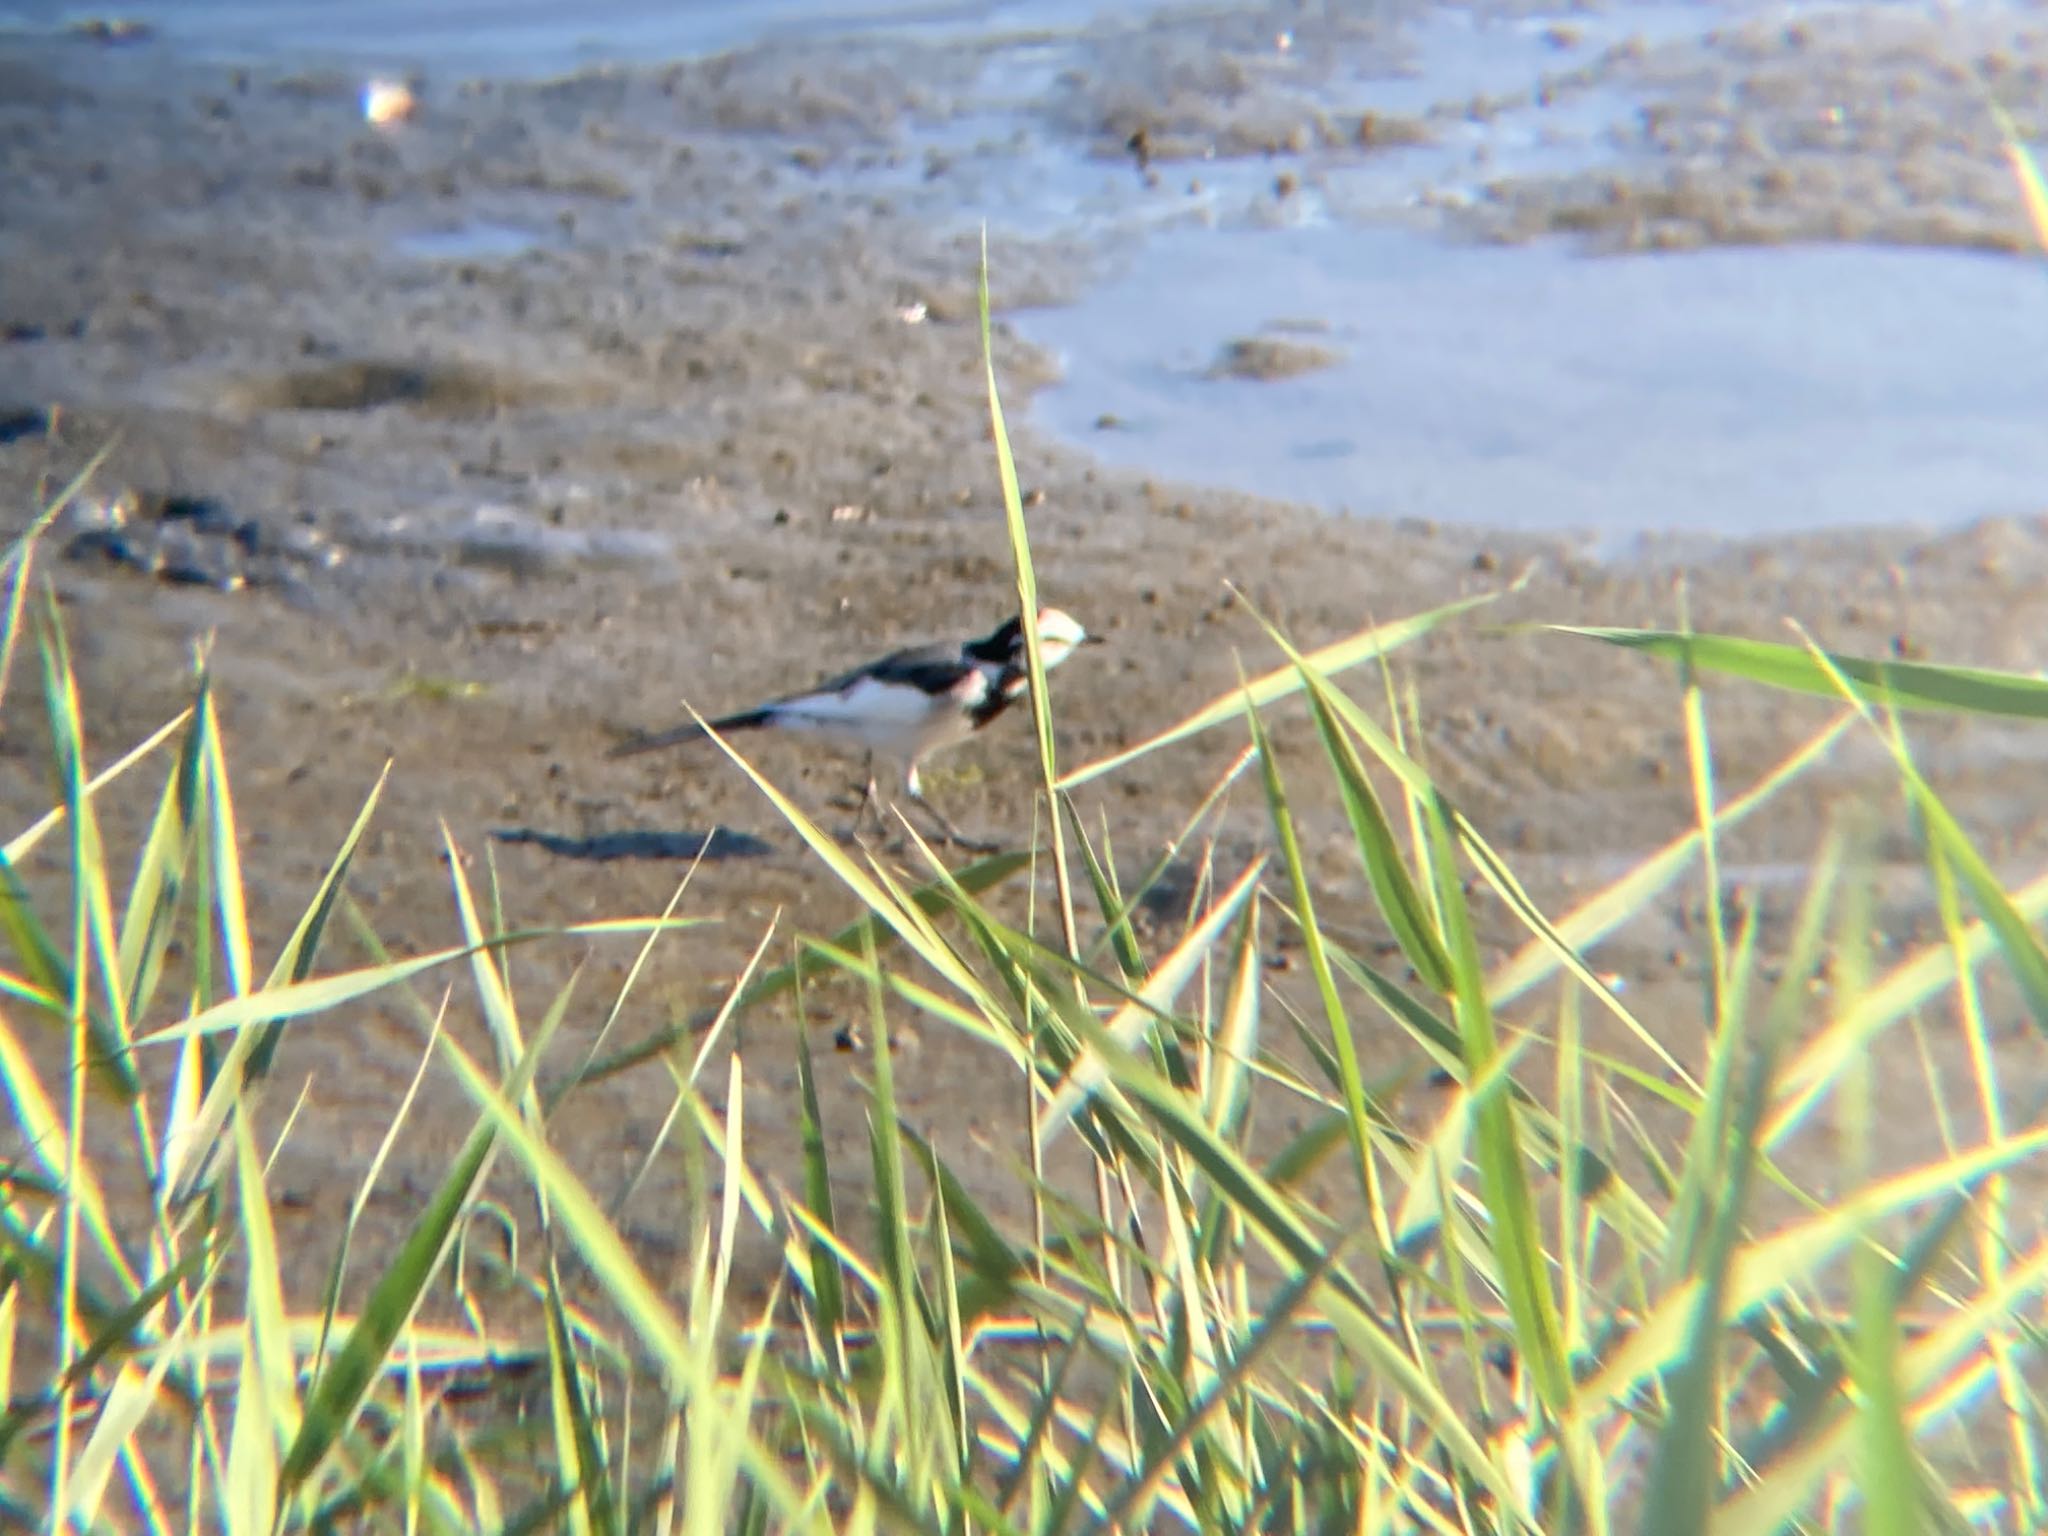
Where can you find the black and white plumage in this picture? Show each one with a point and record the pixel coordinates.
(904, 706)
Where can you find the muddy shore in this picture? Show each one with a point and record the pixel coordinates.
(474, 508)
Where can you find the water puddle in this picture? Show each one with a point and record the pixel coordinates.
(1387, 373)
(1743, 391)
(1460, 97)
(476, 241)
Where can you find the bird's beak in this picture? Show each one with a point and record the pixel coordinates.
(1095, 639)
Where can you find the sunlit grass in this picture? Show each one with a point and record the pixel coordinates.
(1600, 1279)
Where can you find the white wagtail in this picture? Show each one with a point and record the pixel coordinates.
(907, 705)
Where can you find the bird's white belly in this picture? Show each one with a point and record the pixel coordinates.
(886, 718)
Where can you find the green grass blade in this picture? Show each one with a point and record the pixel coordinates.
(908, 1398)
(1283, 683)
(1274, 1322)
(928, 899)
(577, 1212)
(225, 862)
(187, 1160)
(1027, 605)
(295, 963)
(1686, 1472)
(1497, 1144)
(1343, 1049)
(1236, 1044)
(1776, 1497)
(573, 1420)
(1889, 1481)
(1608, 908)
(26, 841)
(1491, 866)
(1907, 685)
(95, 946)
(272, 1406)
(1154, 998)
(331, 1297)
(1292, 1241)
(53, 507)
(1109, 901)
(825, 1284)
(1767, 1269)
(331, 1405)
(161, 871)
(1172, 849)
(1407, 914)
(41, 1124)
(323, 994)
(1028, 1463)
(128, 1405)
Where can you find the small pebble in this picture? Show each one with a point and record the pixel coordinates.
(16, 425)
(184, 573)
(102, 543)
(386, 102)
(205, 514)
(112, 29)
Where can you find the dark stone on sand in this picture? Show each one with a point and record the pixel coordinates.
(204, 514)
(509, 552)
(113, 29)
(1267, 357)
(444, 389)
(17, 424)
(1379, 130)
(109, 544)
(718, 843)
(183, 572)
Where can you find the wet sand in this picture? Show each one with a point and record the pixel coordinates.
(1861, 124)
(685, 444)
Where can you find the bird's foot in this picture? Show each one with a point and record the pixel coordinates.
(866, 806)
(973, 844)
(948, 833)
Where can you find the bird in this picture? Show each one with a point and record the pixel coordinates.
(904, 706)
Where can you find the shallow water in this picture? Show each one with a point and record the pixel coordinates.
(530, 37)
(1742, 391)
(478, 240)
(1008, 161)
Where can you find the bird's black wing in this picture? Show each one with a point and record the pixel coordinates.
(934, 669)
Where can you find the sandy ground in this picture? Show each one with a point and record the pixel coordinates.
(1866, 123)
(493, 511)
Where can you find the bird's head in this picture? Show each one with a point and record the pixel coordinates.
(1059, 636)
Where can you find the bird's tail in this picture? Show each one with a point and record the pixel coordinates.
(680, 735)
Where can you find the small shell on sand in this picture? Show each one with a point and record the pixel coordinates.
(388, 101)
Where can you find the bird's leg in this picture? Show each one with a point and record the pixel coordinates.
(947, 830)
(868, 801)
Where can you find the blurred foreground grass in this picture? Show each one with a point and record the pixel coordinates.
(1540, 1309)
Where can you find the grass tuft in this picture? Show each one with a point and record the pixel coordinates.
(1402, 1241)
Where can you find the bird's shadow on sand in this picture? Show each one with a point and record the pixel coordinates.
(714, 846)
